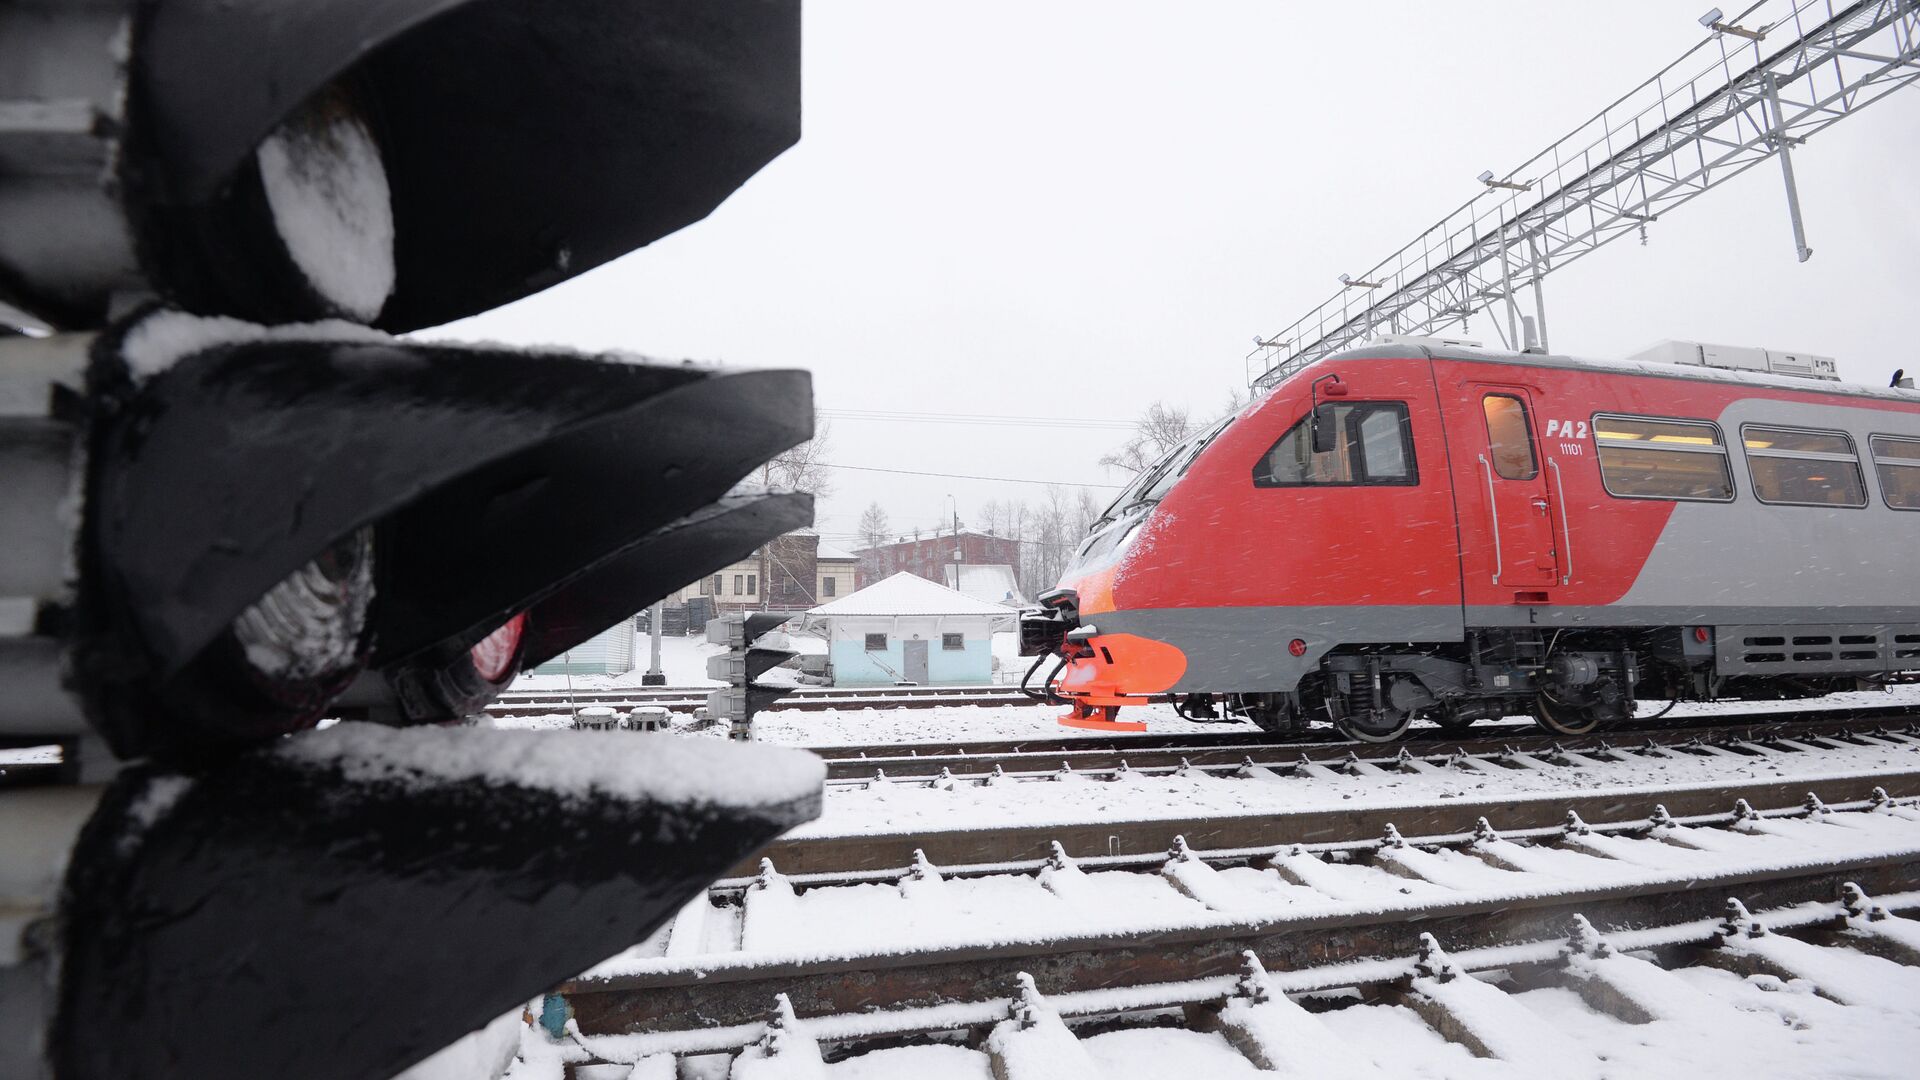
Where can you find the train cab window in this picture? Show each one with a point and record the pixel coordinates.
(1896, 462)
(1645, 457)
(1803, 468)
(1510, 437)
(1372, 445)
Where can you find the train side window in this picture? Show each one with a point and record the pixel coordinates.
(1896, 462)
(1510, 437)
(1373, 445)
(1645, 457)
(1797, 467)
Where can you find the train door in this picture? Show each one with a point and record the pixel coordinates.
(1519, 500)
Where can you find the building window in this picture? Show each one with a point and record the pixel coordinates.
(753, 584)
(953, 642)
(876, 643)
(716, 584)
(827, 585)
(1372, 445)
(1896, 462)
(1649, 458)
(1803, 468)
(1509, 437)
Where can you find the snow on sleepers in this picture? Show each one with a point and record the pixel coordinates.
(1478, 1015)
(1592, 838)
(1749, 946)
(1027, 1034)
(862, 831)
(943, 960)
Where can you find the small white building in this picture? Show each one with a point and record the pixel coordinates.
(609, 652)
(992, 582)
(907, 629)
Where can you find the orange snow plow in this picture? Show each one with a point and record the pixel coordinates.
(1104, 672)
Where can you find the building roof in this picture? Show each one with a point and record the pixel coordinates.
(833, 554)
(905, 541)
(992, 582)
(905, 594)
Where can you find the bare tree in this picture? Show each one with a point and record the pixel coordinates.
(1237, 399)
(804, 467)
(873, 526)
(1161, 428)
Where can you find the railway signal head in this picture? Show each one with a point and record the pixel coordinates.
(742, 665)
(223, 520)
(396, 162)
(270, 516)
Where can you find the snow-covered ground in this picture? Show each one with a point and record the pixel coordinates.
(908, 807)
(905, 807)
(1706, 1022)
(924, 911)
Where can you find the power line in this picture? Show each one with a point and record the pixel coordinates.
(966, 476)
(980, 419)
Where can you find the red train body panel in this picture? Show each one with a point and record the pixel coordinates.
(1454, 549)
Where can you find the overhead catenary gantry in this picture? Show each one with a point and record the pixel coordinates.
(1758, 86)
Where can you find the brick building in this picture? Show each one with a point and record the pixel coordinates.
(929, 557)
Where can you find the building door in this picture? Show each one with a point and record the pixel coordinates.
(1514, 480)
(916, 656)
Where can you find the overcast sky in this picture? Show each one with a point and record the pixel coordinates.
(1076, 209)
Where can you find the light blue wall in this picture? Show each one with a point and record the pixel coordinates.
(853, 665)
(972, 665)
(609, 652)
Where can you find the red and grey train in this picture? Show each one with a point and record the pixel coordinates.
(1426, 530)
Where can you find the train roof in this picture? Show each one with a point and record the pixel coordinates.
(1407, 350)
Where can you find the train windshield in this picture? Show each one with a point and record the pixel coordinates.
(1157, 479)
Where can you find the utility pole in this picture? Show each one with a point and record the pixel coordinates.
(655, 615)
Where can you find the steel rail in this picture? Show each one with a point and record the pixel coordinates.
(927, 759)
(870, 855)
(729, 990)
(977, 1013)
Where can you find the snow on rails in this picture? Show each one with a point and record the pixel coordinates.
(1513, 949)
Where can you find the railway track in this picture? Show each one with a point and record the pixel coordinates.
(1033, 973)
(1115, 838)
(1229, 749)
(805, 699)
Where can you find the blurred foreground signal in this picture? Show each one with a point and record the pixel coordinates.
(742, 666)
(232, 505)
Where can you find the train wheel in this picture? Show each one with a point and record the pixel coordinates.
(1562, 718)
(1383, 726)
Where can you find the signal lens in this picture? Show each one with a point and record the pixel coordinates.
(308, 629)
(493, 657)
(1700, 634)
(327, 187)
(1297, 647)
